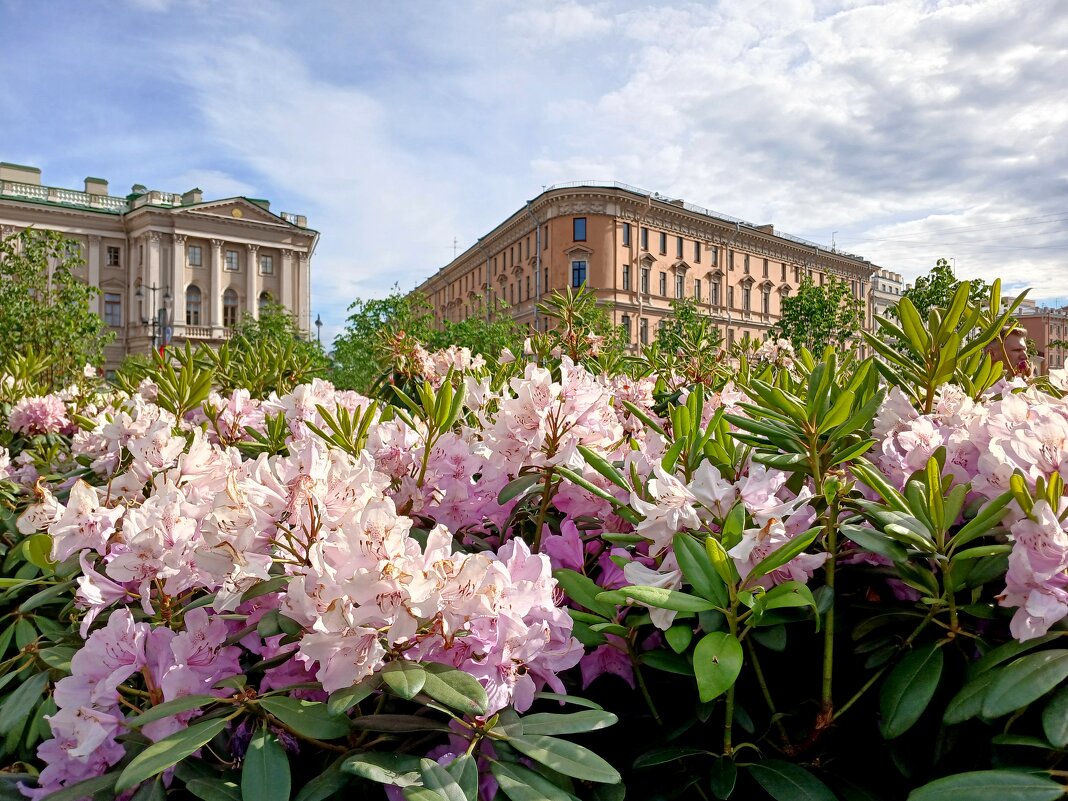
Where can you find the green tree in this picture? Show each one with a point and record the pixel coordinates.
(381, 334)
(274, 328)
(936, 289)
(688, 344)
(818, 316)
(45, 309)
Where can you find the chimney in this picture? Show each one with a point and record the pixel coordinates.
(20, 173)
(96, 186)
(192, 197)
(767, 229)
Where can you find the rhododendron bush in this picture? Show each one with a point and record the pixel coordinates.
(552, 575)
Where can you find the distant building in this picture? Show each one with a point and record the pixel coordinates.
(637, 251)
(1048, 328)
(886, 289)
(209, 261)
(1027, 307)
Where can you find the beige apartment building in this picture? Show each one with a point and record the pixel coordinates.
(886, 290)
(171, 268)
(637, 251)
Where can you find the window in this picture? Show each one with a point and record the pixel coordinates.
(645, 238)
(765, 268)
(231, 261)
(626, 234)
(730, 261)
(645, 280)
(730, 337)
(696, 252)
(195, 256)
(680, 285)
(643, 329)
(545, 237)
(766, 301)
(528, 286)
(746, 268)
(713, 288)
(264, 301)
(519, 290)
(714, 257)
(113, 256)
(697, 289)
(580, 229)
(730, 297)
(678, 247)
(747, 293)
(625, 322)
(578, 273)
(266, 265)
(626, 276)
(663, 284)
(663, 243)
(112, 308)
(229, 308)
(783, 271)
(192, 306)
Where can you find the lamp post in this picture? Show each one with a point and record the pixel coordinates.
(158, 319)
(319, 328)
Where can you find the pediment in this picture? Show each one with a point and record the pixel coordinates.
(680, 266)
(235, 208)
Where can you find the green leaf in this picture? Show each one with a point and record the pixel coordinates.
(784, 781)
(454, 688)
(86, 789)
(721, 561)
(1025, 680)
(276, 584)
(398, 723)
(21, 702)
(162, 754)
(1055, 719)
(38, 549)
(567, 723)
(717, 661)
(440, 781)
(517, 486)
(788, 595)
(908, 690)
(1007, 651)
(783, 554)
(565, 757)
(464, 769)
(733, 526)
(169, 708)
(265, 773)
(658, 597)
(584, 591)
(341, 701)
(404, 678)
(150, 791)
(326, 784)
(214, 789)
(522, 784)
(385, 768)
(604, 467)
(968, 703)
(310, 718)
(697, 569)
(723, 775)
(679, 637)
(990, 785)
(662, 756)
(574, 700)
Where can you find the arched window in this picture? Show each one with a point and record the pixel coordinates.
(264, 301)
(229, 308)
(192, 305)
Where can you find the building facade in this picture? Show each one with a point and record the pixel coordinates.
(638, 252)
(1048, 329)
(886, 289)
(204, 263)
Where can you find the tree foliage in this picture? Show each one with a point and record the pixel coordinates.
(379, 328)
(45, 308)
(818, 316)
(937, 288)
(689, 343)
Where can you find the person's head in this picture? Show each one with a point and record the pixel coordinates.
(1010, 348)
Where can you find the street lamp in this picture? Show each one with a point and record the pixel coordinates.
(159, 318)
(319, 328)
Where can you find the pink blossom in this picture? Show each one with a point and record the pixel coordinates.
(39, 414)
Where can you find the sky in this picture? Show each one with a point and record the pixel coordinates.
(903, 131)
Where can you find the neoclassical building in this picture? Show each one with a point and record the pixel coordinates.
(637, 251)
(203, 263)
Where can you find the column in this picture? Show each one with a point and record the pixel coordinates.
(215, 290)
(177, 281)
(285, 280)
(93, 259)
(252, 269)
(304, 293)
(152, 278)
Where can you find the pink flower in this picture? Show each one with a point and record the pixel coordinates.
(40, 414)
